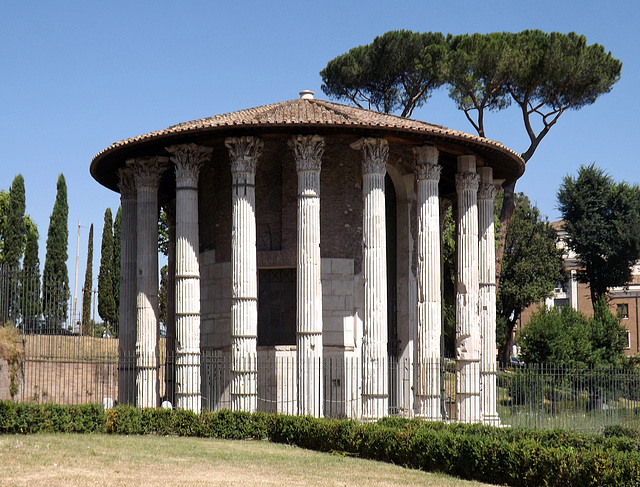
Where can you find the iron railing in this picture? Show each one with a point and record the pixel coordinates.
(75, 370)
(60, 366)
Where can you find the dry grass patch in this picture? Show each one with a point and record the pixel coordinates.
(78, 460)
(10, 343)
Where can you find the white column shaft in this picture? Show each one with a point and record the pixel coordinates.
(128, 313)
(187, 159)
(487, 297)
(244, 153)
(147, 173)
(308, 153)
(375, 381)
(467, 323)
(429, 329)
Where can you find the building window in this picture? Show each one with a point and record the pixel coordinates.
(560, 303)
(276, 307)
(623, 310)
(628, 346)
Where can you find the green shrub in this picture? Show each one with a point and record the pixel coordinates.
(50, 418)
(503, 456)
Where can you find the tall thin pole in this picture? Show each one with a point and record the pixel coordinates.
(75, 284)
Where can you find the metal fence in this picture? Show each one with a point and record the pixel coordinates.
(75, 370)
(578, 398)
(37, 305)
(62, 367)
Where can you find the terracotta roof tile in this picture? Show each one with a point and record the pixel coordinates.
(312, 112)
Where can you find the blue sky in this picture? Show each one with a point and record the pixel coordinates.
(80, 75)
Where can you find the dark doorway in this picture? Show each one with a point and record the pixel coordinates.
(393, 346)
(276, 307)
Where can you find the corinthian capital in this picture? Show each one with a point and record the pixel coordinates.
(375, 153)
(467, 181)
(126, 183)
(188, 159)
(307, 150)
(244, 153)
(487, 192)
(147, 171)
(429, 172)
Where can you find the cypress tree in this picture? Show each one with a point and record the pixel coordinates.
(86, 289)
(106, 301)
(55, 277)
(4, 208)
(13, 247)
(117, 226)
(15, 226)
(30, 279)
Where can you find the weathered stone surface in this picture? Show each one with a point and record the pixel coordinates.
(244, 153)
(187, 159)
(429, 302)
(487, 296)
(308, 152)
(467, 325)
(147, 172)
(128, 291)
(375, 385)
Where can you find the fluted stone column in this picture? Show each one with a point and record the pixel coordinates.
(375, 381)
(127, 314)
(467, 323)
(429, 329)
(147, 172)
(187, 158)
(487, 296)
(308, 152)
(244, 153)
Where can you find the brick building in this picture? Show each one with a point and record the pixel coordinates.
(623, 300)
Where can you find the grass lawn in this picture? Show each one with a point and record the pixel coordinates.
(78, 460)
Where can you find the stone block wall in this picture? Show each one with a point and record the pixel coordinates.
(215, 296)
(340, 320)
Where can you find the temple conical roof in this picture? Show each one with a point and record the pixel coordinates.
(305, 114)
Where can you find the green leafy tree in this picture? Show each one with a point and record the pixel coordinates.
(568, 337)
(557, 336)
(608, 336)
(602, 220)
(543, 74)
(87, 325)
(30, 305)
(117, 252)
(448, 282)
(477, 72)
(547, 74)
(397, 71)
(106, 301)
(163, 233)
(531, 268)
(55, 277)
(162, 296)
(163, 248)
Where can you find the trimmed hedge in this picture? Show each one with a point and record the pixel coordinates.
(504, 456)
(50, 418)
